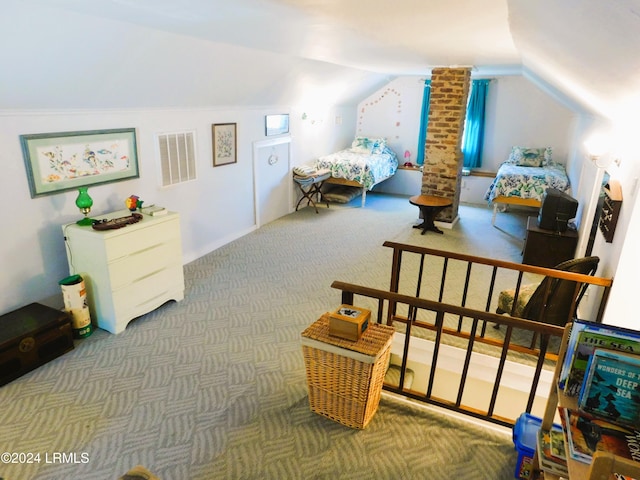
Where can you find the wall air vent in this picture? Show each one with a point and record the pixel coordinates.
(177, 157)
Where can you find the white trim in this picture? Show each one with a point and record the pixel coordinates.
(257, 145)
(483, 367)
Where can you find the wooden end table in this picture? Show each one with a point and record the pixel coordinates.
(429, 206)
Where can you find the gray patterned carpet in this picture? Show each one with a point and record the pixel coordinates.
(214, 387)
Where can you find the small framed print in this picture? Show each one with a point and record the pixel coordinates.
(224, 144)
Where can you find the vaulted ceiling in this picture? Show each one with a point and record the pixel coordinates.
(584, 49)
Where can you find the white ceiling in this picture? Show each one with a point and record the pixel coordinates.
(395, 37)
(585, 49)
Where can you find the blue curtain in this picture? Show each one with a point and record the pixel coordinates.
(473, 137)
(424, 120)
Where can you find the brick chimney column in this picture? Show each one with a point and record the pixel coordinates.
(443, 150)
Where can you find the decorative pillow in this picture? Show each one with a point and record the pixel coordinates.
(530, 157)
(368, 145)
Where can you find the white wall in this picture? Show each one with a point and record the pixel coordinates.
(618, 259)
(519, 113)
(215, 209)
(393, 112)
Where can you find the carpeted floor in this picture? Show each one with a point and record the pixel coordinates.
(214, 387)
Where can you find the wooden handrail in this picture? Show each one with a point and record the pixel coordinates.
(520, 267)
(476, 333)
(434, 306)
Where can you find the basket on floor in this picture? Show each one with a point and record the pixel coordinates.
(344, 377)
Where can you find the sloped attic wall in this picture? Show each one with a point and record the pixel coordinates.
(60, 59)
(587, 50)
(71, 72)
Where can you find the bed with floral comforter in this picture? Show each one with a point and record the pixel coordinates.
(524, 177)
(367, 163)
(526, 182)
(366, 169)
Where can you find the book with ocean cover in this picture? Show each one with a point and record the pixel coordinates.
(610, 388)
(587, 341)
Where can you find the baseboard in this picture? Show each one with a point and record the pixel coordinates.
(447, 225)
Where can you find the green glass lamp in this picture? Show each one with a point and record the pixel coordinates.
(84, 203)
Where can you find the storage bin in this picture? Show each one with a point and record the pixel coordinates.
(345, 377)
(525, 432)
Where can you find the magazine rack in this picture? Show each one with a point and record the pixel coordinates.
(604, 464)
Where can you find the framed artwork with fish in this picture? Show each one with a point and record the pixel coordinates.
(57, 162)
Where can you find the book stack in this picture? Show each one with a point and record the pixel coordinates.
(601, 370)
(154, 210)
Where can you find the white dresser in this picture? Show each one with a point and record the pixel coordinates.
(128, 271)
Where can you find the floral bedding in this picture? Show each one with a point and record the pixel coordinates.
(527, 182)
(367, 169)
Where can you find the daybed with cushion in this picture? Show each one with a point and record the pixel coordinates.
(365, 164)
(524, 177)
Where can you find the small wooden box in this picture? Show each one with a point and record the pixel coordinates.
(349, 322)
(30, 337)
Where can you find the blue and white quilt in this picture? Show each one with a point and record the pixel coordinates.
(367, 169)
(527, 182)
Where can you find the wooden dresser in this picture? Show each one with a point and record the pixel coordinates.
(128, 271)
(546, 248)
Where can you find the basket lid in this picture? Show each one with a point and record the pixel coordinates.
(372, 342)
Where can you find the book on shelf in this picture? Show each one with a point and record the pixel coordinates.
(556, 447)
(610, 387)
(587, 434)
(548, 461)
(584, 339)
(577, 326)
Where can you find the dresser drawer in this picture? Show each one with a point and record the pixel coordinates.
(133, 297)
(145, 237)
(136, 266)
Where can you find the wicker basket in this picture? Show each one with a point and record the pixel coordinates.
(345, 377)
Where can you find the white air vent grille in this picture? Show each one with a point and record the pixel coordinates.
(177, 157)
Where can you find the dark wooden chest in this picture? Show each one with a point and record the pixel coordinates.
(31, 336)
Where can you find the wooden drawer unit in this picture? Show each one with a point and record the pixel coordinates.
(127, 271)
(546, 248)
(32, 336)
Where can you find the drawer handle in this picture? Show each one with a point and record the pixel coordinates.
(150, 274)
(147, 249)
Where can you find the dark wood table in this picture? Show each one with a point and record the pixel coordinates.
(429, 206)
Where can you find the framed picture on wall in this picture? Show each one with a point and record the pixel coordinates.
(224, 144)
(57, 162)
(276, 124)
